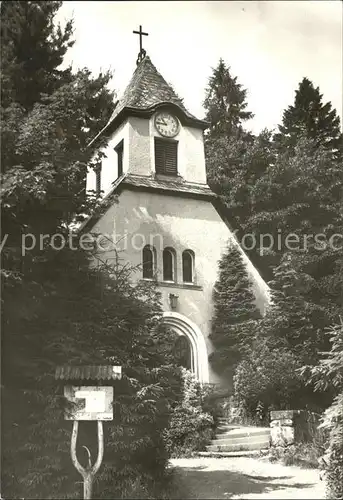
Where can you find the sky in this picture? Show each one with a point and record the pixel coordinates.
(269, 45)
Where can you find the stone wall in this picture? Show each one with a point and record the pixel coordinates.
(288, 427)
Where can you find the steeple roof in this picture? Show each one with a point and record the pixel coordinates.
(146, 91)
(148, 88)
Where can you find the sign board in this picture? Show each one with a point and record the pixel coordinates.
(90, 402)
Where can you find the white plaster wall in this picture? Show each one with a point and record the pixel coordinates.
(140, 150)
(141, 218)
(191, 154)
(139, 153)
(109, 171)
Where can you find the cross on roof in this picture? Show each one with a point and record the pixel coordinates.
(141, 34)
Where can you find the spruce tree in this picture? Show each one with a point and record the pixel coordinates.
(235, 312)
(32, 50)
(234, 165)
(291, 321)
(310, 117)
(235, 159)
(298, 202)
(225, 102)
(56, 309)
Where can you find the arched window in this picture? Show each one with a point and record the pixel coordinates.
(169, 264)
(149, 261)
(188, 266)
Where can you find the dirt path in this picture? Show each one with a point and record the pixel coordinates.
(237, 478)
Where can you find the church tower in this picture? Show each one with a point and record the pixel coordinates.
(166, 221)
(152, 135)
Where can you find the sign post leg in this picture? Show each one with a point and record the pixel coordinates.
(87, 487)
(89, 472)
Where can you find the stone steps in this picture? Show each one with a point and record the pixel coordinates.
(237, 439)
(243, 446)
(223, 454)
(244, 432)
(240, 439)
(227, 427)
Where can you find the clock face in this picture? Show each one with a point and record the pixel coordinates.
(167, 124)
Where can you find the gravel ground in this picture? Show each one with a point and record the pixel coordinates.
(219, 478)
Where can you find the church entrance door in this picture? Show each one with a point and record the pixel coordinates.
(190, 346)
(183, 353)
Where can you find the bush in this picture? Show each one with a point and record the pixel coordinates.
(213, 402)
(328, 375)
(88, 316)
(333, 459)
(266, 379)
(301, 454)
(190, 427)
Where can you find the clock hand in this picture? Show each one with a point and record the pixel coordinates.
(161, 122)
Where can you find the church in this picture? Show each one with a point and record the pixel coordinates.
(163, 217)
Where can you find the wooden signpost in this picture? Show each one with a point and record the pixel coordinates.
(89, 402)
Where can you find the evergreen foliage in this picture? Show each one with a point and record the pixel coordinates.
(327, 375)
(56, 309)
(235, 312)
(190, 427)
(299, 203)
(287, 193)
(291, 203)
(273, 192)
(267, 379)
(310, 117)
(225, 102)
(32, 50)
(291, 321)
(234, 165)
(77, 316)
(288, 336)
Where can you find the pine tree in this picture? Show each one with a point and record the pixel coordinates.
(234, 165)
(298, 203)
(32, 50)
(225, 102)
(310, 117)
(235, 312)
(235, 159)
(291, 321)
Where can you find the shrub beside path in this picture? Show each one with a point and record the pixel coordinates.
(241, 477)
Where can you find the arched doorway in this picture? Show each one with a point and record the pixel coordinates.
(191, 347)
(183, 352)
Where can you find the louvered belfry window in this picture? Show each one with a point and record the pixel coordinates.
(165, 157)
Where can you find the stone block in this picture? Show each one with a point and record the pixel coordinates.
(289, 426)
(281, 434)
(284, 414)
